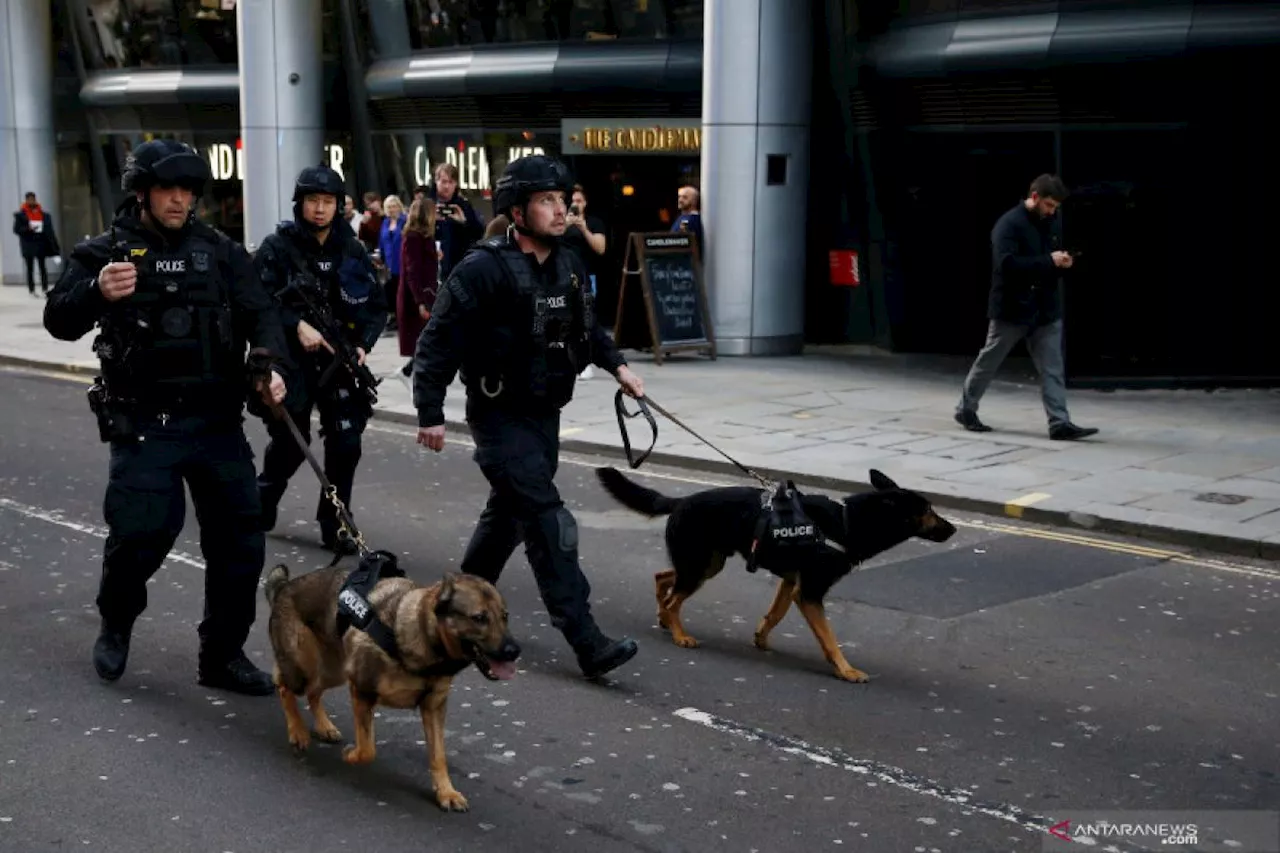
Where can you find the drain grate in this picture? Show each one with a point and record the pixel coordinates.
(1220, 498)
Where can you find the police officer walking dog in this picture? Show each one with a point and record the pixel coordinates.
(516, 316)
(176, 301)
(329, 300)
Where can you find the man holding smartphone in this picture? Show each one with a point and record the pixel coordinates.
(1026, 302)
(457, 223)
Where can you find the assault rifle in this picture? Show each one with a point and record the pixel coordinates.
(319, 316)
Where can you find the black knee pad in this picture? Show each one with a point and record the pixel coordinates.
(568, 529)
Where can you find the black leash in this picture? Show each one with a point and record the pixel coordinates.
(620, 406)
(347, 526)
(259, 369)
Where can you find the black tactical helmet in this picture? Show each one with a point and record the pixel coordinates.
(166, 163)
(526, 176)
(319, 179)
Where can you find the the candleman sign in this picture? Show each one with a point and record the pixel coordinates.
(631, 136)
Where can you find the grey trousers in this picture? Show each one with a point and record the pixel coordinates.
(1045, 345)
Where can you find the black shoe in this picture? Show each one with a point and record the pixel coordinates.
(608, 655)
(407, 370)
(238, 675)
(968, 419)
(111, 652)
(1070, 432)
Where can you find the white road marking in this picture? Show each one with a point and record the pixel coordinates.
(885, 773)
(55, 517)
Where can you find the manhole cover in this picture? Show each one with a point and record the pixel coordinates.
(1219, 498)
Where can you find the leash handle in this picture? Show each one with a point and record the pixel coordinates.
(743, 468)
(620, 407)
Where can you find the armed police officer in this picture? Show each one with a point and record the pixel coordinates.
(516, 316)
(333, 312)
(176, 302)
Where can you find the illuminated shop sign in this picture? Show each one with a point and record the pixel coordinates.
(226, 162)
(472, 162)
(631, 136)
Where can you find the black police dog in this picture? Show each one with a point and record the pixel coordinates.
(708, 527)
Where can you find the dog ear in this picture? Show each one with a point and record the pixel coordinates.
(444, 600)
(881, 482)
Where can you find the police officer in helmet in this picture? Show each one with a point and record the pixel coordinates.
(177, 301)
(516, 318)
(315, 263)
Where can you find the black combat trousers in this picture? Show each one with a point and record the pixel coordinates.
(519, 456)
(145, 508)
(343, 417)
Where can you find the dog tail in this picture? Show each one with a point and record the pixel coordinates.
(634, 496)
(276, 578)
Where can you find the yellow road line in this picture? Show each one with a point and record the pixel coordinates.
(1014, 507)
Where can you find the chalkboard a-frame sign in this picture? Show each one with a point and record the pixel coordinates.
(675, 298)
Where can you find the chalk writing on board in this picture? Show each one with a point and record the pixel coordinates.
(675, 295)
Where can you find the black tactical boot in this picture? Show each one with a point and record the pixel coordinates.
(606, 655)
(111, 651)
(238, 675)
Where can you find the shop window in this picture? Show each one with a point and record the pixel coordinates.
(160, 33)
(455, 23)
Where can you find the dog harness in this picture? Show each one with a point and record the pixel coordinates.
(355, 611)
(783, 524)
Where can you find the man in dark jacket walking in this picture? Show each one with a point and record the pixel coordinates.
(1026, 302)
(34, 227)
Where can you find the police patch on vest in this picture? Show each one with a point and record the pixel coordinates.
(557, 301)
(171, 265)
(176, 322)
(324, 266)
(200, 261)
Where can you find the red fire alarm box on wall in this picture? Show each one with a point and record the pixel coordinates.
(844, 267)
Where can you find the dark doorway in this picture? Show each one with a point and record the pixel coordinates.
(950, 189)
(630, 194)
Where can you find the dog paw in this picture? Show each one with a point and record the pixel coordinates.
(685, 642)
(451, 801)
(857, 676)
(761, 642)
(353, 755)
(329, 735)
(299, 741)
(663, 622)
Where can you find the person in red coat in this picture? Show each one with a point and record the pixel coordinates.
(419, 277)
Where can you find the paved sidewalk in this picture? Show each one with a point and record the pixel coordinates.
(1186, 467)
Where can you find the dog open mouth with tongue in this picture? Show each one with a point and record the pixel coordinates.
(499, 665)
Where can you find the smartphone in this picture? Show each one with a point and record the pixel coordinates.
(573, 210)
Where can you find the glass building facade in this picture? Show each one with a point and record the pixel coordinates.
(929, 119)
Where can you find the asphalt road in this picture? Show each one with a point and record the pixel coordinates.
(1020, 677)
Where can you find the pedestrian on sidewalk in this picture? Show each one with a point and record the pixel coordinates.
(1027, 261)
(516, 316)
(38, 239)
(178, 303)
(389, 241)
(419, 277)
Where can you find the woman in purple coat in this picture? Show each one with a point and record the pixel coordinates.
(419, 277)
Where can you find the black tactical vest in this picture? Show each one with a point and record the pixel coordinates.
(179, 320)
(558, 318)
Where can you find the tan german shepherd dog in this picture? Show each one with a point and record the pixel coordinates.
(440, 630)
